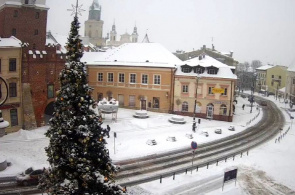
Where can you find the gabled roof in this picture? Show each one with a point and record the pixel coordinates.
(224, 71)
(10, 42)
(134, 54)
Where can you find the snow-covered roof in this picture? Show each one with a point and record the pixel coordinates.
(224, 71)
(265, 67)
(134, 54)
(10, 42)
(291, 67)
(54, 39)
(41, 4)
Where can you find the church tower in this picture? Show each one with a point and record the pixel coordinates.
(113, 33)
(134, 35)
(94, 25)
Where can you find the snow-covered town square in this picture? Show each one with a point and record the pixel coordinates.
(108, 97)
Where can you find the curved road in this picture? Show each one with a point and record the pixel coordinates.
(141, 170)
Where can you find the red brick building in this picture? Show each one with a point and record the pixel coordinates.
(41, 61)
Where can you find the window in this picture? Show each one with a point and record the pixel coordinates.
(50, 91)
(12, 64)
(132, 78)
(13, 117)
(12, 90)
(186, 70)
(144, 79)
(225, 91)
(271, 83)
(210, 91)
(15, 14)
(156, 102)
(184, 107)
(26, 1)
(110, 77)
(293, 81)
(212, 71)
(132, 100)
(37, 15)
(157, 79)
(121, 77)
(272, 76)
(100, 77)
(0, 91)
(223, 110)
(280, 77)
(13, 32)
(184, 88)
(36, 32)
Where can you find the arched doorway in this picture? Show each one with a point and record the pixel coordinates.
(210, 111)
(48, 113)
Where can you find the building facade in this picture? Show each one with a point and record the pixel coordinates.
(138, 75)
(205, 86)
(41, 62)
(271, 78)
(10, 71)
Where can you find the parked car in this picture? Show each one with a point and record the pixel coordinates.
(218, 131)
(151, 142)
(231, 128)
(29, 177)
(171, 139)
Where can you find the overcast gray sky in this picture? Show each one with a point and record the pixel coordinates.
(253, 29)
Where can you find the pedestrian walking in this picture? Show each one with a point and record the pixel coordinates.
(243, 106)
(108, 131)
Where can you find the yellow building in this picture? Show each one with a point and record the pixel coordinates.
(208, 82)
(271, 78)
(138, 75)
(10, 71)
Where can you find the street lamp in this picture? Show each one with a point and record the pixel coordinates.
(194, 122)
(252, 91)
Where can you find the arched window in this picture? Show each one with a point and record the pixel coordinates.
(223, 110)
(184, 107)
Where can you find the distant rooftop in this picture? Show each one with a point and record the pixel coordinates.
(10, 42)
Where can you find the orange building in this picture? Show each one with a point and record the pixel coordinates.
(207, 82)
(138, 75)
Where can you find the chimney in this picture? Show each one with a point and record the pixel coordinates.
(231, 53)
(213, 48)
(204, 47)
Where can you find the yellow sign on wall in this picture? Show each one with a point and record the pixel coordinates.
(218, 90)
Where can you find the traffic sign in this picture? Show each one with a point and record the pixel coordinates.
(194, 145)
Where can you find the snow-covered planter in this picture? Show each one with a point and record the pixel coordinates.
(108, 107)
(3, 125)
(3, 164)
(177, 119)
(141, 114)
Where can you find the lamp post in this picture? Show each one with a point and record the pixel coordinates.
(194, 122)
(3, 123)
(252, 91)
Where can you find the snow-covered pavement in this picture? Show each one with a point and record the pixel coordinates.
(26, 148)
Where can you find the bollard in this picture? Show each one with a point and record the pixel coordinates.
(161, 179)
(173, 176)
(225, 159)
(217, 163)
(233, 157)
(185, 171)
(241, 154)
(276, 141)
(207, 165)
(247, 152)
(197, 168)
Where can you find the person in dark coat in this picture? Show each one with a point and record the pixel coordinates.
(108, 131)
(243, 106)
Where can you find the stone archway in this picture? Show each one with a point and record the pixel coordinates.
(48, 113)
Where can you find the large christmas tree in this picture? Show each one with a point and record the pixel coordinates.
(80, 162)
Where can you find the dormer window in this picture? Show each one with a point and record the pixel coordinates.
(199, 69)
(212, 70)
(186, 68)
